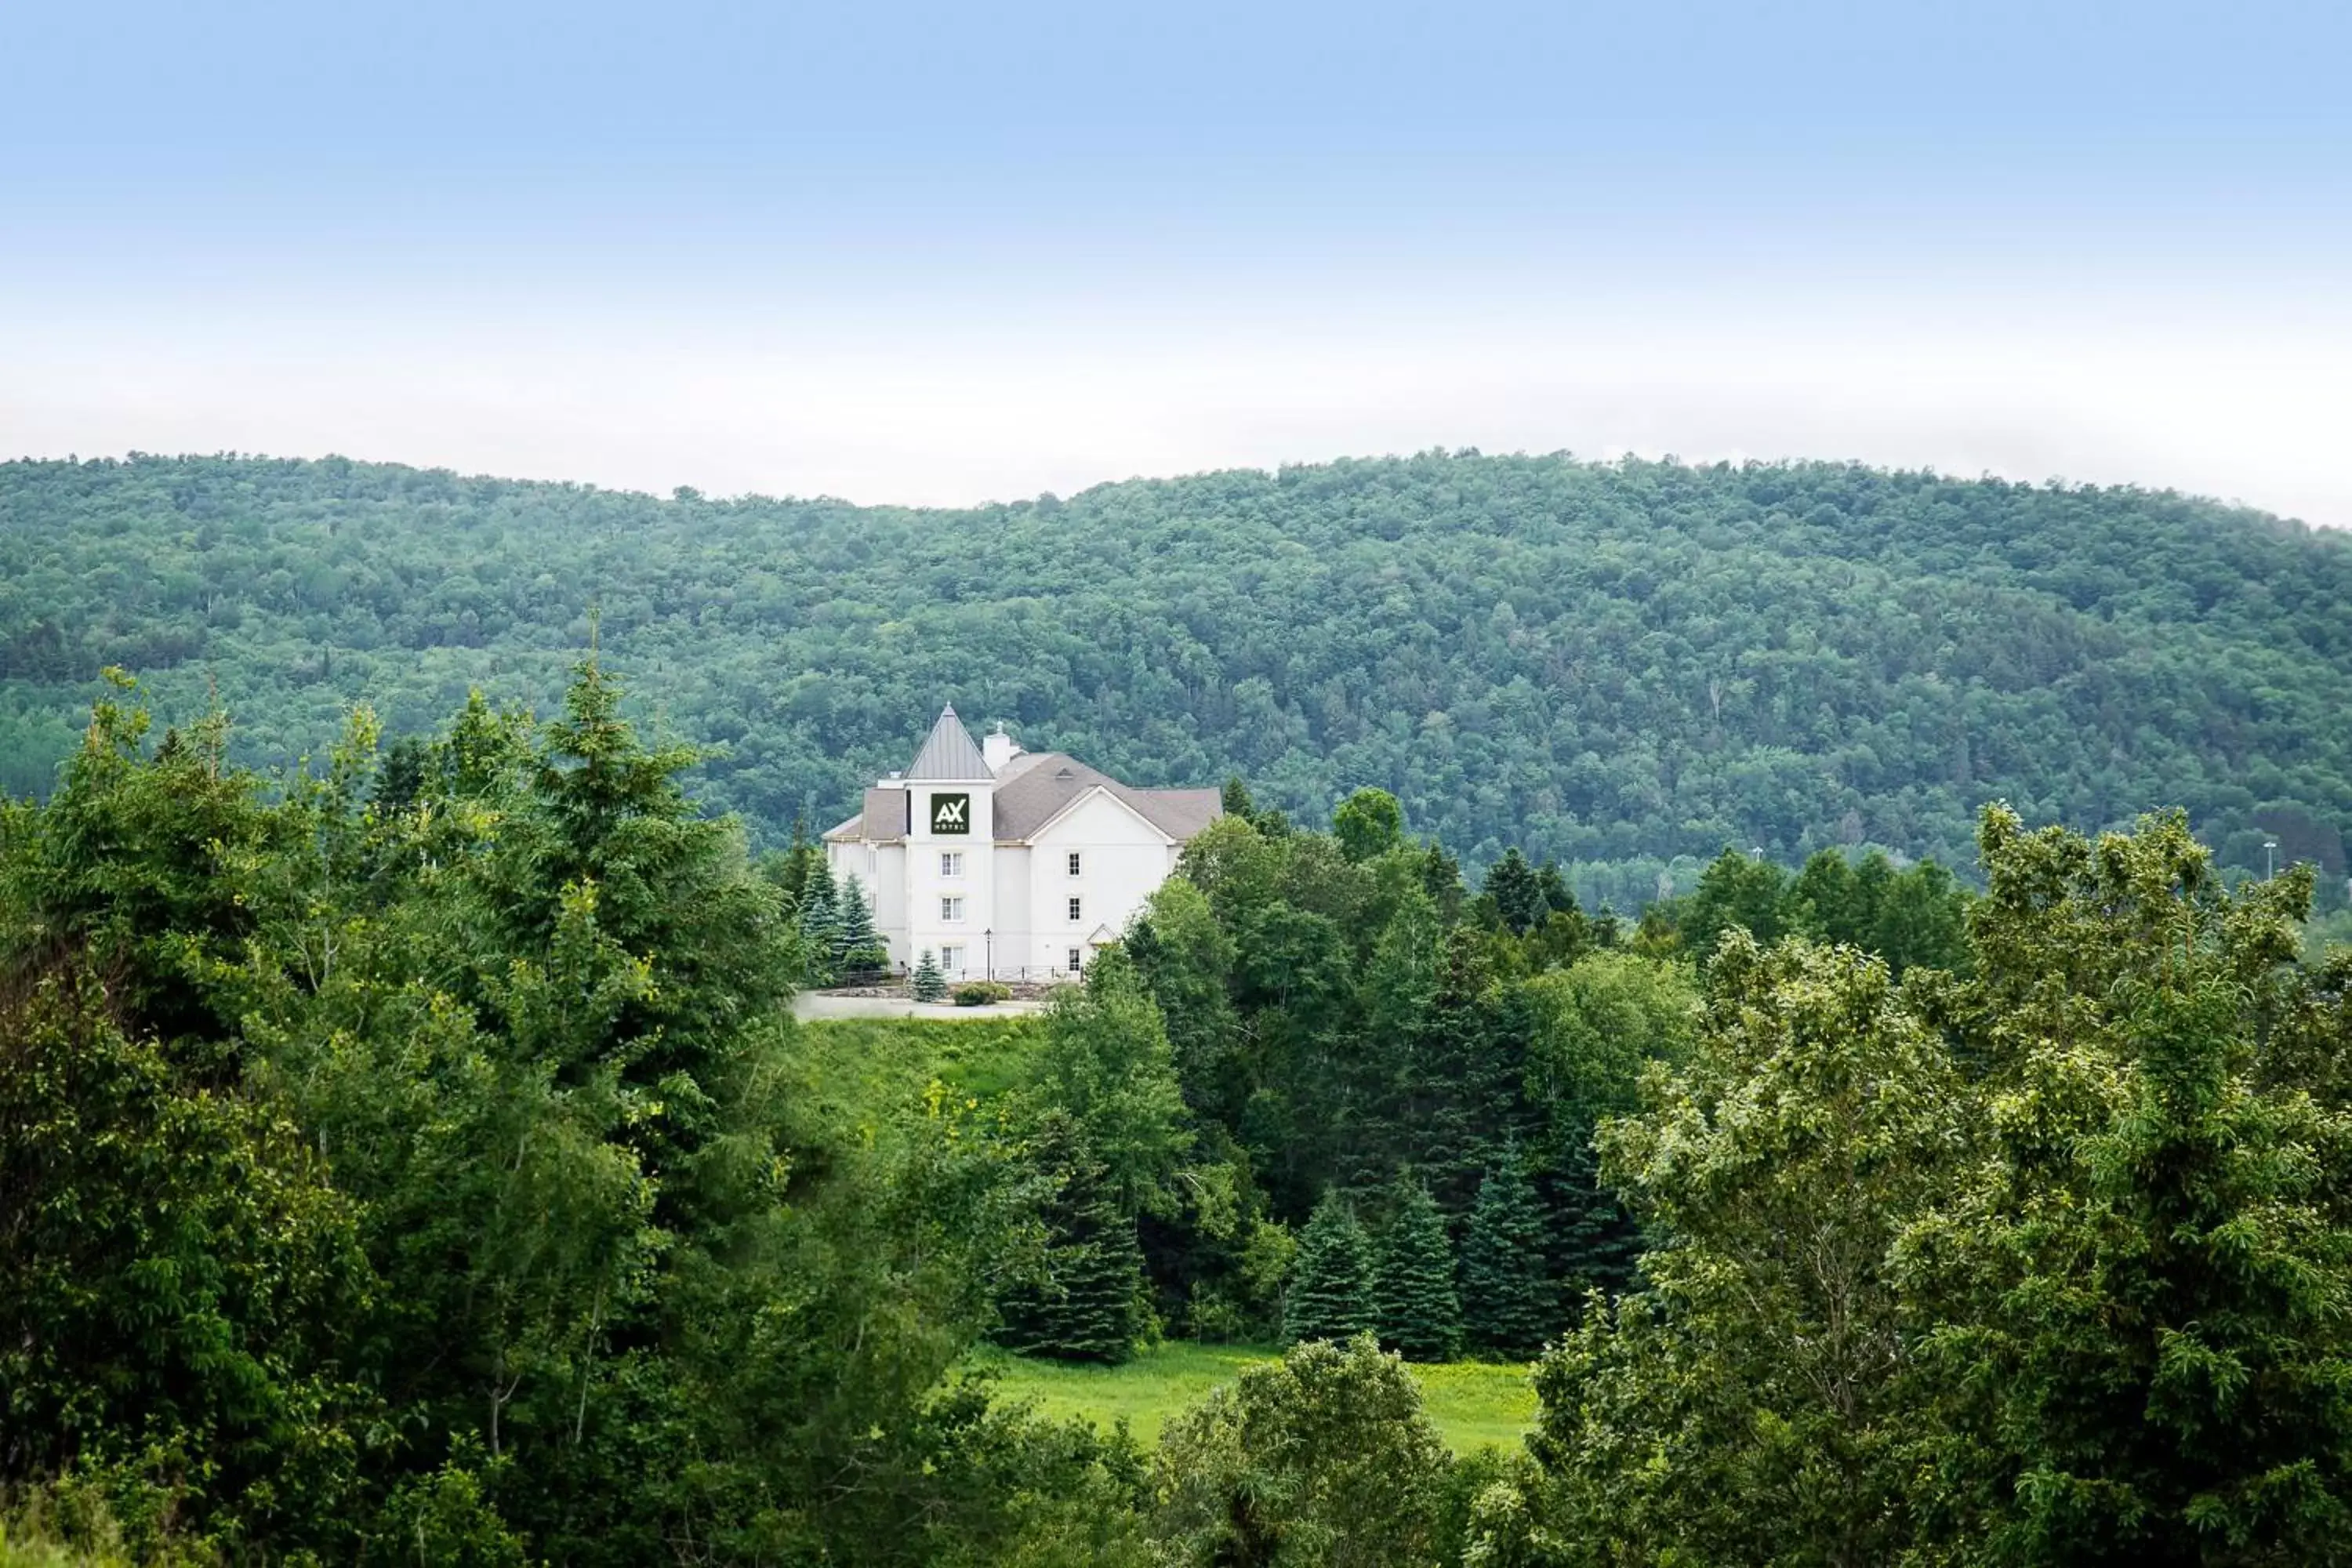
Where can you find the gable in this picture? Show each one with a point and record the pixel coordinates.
(1098, 817)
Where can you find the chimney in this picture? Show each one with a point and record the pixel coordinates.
(997, 749)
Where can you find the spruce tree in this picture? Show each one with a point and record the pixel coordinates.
(1081, 1305)
(929, 985)
(1330, 1295)
(1419, 1314)
(1595, 1241)
(1518, 897)
(1508, 1299)
(819, 923)
(858, 947)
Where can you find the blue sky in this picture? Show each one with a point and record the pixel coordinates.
(946, 253)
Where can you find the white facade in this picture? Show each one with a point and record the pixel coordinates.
(1007, 864)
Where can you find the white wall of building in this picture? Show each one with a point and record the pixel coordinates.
(1121, 860)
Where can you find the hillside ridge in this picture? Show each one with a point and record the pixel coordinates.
(1626, 665)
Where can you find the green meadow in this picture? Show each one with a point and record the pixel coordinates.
(877, 1066)
(1473, 1404)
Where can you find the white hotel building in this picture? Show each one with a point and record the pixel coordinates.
(1007, 863)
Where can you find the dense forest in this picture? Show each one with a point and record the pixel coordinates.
(413, 1157)
(1624, 667)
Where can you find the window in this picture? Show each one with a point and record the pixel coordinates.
(951, 862)
(1075, 908)
(951, 908)
(1075, 954)
(1075, 862)
(951, 960)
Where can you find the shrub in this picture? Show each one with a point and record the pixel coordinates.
(981, 993)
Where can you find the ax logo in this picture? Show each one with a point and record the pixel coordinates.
(952, 814)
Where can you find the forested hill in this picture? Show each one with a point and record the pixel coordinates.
(1619, 665)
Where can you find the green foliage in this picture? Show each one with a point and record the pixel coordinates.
(1104, 1060)
(423, 1152)
(1913, 916)
(1734, 892)
(1080, 1301)
(2035, 1259)
(176, 1282)
(2140, 1296)
(981, 993)
(1415, 1305)
(1324, 1457)
(858, 953)
(819, 921)
(1509, 1307)
(1625, 665)
(1516, 894)
(926, 984)
(1369, 824)
(1330, 1294)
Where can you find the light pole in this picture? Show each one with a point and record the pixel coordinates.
(2270, 863)
(988, 937)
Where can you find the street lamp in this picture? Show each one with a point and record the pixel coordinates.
(2270, 863)
(989, 937)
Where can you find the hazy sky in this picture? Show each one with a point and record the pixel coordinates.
(935, 253)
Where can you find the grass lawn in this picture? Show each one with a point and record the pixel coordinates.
(876, 1065)
(1473, 1404)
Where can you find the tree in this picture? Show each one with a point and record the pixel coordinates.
(1509, 1307)
(1518, 894)
(2142, 1297)
(1734, 891)
(177, 1278)
(1414, 1301)
(1369, 824)
(1103, 1057)
(1556, 895)
(820, 924)
(1753, 1401)
(1322, 1459)
(1186, 964)
(927, 984)
(1330, 1294)
(857, 948)
(1081, 1302)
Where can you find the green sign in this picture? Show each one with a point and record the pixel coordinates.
(951, 814)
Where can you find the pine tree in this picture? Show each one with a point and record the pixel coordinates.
(1419, 1316)
(1507, 1301)
(819, 923)
(1330, 1295)
(927, 983)
(858, 947)
(1082, 1305)
(1518, 897)
(1559, 898)
(1595, 1241)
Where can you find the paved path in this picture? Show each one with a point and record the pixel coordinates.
(817, 1004)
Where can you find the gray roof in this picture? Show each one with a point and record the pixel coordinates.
(1035, 786)
(883, 820)
(948, 755)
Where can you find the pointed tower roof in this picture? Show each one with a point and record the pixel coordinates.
(948, 755)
